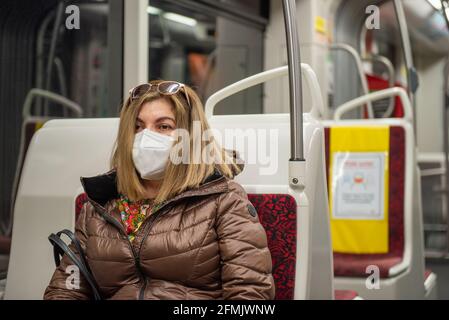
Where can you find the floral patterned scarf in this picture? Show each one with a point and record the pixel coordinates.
(133, 213)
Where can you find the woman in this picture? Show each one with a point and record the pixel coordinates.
(159, 228)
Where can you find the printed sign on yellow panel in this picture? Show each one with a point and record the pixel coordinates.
(358, 190)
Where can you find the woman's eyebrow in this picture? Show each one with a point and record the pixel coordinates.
(165, 118)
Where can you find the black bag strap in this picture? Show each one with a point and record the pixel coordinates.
(77, 244)
(60, 248)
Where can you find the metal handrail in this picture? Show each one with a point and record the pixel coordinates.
(358, 62)
(295, 80)
(47, 95)
(412, 76)
(52, 50)
(444, 7)
(390, 69)
(378, 95)
(297, 162)
(310, 77)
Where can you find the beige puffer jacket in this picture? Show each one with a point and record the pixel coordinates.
(205, 243)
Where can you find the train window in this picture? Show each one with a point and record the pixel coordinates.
(81, 67)
(53, 48)
(88, 54)
(189, 42)
(256, 7)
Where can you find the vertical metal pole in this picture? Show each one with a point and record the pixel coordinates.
(444, 7)
(446, 150)
(115, 57)
(51, 55)
(297, 163)
(40, 56)
(412, 76)
(295, 80)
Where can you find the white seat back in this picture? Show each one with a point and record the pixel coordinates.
(273, 142)
(45, 203)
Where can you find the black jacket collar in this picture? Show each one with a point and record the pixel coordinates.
(103, 187)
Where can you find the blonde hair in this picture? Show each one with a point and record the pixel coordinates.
(178, 177)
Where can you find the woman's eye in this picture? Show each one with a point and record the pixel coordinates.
(165, 127)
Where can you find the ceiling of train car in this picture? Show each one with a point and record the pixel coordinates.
(427, 27)
(253, 12)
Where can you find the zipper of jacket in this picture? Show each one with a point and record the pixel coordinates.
(135, 255)
(150, 223)
(144, 279)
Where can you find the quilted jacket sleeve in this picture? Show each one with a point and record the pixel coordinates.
(62, 287)
(246, 260)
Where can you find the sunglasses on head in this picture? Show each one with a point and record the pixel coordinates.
(166, 88)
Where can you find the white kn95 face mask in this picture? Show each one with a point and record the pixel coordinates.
(151, 151)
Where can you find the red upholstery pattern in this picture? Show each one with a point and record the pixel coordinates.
(354, 265)
(79, 202)
(376, 83)
(345, 295)
(277, 214)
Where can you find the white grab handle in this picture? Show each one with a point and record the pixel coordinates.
(390, 69)
(50, 96)
(309, 76)
(378, 95)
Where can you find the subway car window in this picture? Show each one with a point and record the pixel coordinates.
(55, 63)
(209, 49)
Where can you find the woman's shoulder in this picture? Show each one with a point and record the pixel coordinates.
(90, 208)
(234, 204)
(233, 193)
(87, 208)
(235, 187)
